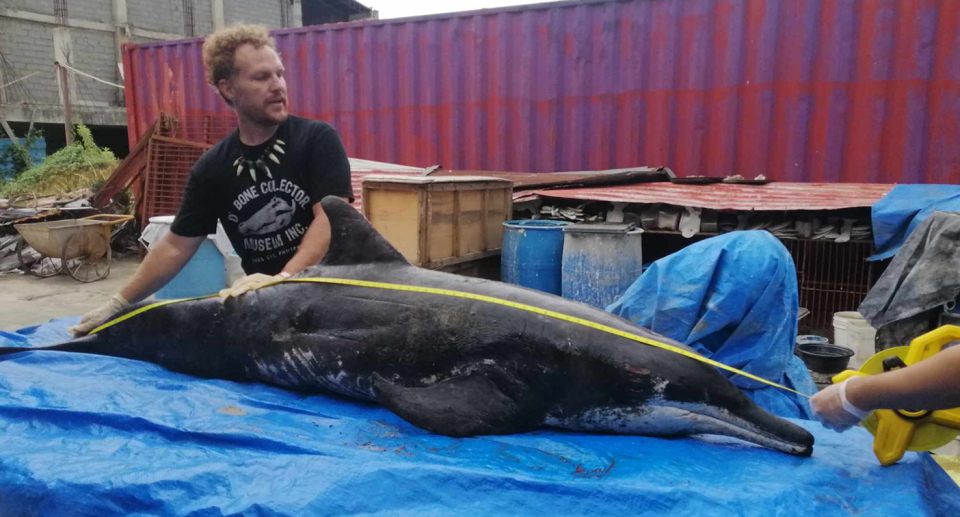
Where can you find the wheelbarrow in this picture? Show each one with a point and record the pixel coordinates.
(81, 247)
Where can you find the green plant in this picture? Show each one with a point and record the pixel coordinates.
(19, 154)
(76, 166)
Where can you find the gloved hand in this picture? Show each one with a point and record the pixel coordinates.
(833, 410)
(249, 283)
(99, 316)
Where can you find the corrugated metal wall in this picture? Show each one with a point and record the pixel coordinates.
(798, 90)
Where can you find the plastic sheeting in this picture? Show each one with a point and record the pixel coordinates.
(733, 298)
(922, 277)
(91, 435)
(903, 209)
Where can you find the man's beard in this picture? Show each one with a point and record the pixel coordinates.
(261, 118)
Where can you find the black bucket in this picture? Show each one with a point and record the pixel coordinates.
(824, 358)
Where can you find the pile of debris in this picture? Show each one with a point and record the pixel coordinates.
(73, 205)
(837, 226)
(8, 254)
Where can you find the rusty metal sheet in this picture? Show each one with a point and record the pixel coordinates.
(722, 196)
(859, 91)
(534, 180)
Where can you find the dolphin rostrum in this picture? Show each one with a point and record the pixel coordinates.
(451, 365)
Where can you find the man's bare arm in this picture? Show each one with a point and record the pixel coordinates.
(160, 266)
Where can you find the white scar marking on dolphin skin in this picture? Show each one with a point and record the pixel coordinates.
(305, 360)
(295, 376)
(338, 382)
(287, 359)
(489, 361)
(659, 387)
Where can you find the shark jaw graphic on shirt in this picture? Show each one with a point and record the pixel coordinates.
(273, 217)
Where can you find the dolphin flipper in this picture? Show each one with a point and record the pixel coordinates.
(461, 406)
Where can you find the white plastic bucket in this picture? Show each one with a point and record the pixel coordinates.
(852, 331)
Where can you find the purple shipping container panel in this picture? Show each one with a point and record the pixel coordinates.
(798, 90)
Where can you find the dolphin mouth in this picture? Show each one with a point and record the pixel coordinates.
(728, 424)
(679, 419)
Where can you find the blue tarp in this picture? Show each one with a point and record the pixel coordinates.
(38, 151)
(99, 436)
(733, 298)
(903, 209)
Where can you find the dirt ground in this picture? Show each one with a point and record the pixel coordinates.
(27, 300)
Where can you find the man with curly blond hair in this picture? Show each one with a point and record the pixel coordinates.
(263, 183)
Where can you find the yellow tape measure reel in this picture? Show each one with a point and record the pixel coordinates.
(898, 431)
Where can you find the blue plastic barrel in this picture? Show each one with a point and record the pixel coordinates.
(532, 254)
(203, 275)
(600, 261)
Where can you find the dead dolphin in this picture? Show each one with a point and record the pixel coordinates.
(450, 365)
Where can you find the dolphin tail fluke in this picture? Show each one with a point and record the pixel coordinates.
(461, 406)
(83, 344)
(12, 350)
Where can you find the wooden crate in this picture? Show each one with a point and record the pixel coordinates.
(439, 221)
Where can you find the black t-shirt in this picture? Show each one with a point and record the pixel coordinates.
(264, 195)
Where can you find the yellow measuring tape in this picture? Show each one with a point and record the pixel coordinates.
(480, 298)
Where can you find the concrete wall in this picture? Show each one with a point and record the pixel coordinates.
(29, 47)
(266, 12)
(91, 10)
(202, 17)
(156, 15)
(33, 6)
(93, 53)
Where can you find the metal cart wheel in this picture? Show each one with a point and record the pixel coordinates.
(45, 267)
(87, 255)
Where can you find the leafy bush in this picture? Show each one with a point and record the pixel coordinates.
(19, 154)
(81, 165)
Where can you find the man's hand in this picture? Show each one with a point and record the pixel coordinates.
(250, 283)
(99, 316)
(833, 410)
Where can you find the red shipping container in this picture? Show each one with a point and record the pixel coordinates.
(798, 90)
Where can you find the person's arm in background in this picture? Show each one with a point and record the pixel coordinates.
(931, 384)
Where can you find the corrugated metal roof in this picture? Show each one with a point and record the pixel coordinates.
(533, 180)
(721, 196)
(798, 90)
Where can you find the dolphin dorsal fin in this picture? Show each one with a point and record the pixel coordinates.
(352, 239)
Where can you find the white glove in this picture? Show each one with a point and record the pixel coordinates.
(99, 316)
(250, 283)
(833, 410)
